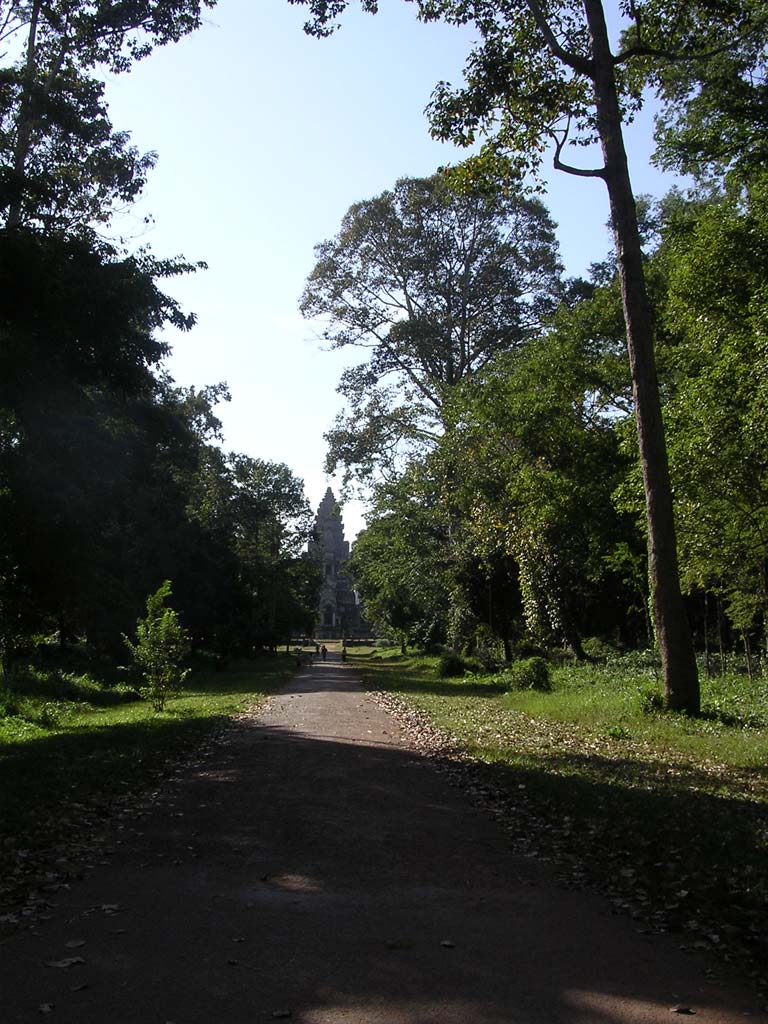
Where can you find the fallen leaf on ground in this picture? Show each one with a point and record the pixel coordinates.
(74, 943)
(68, 961)
(45, 1008)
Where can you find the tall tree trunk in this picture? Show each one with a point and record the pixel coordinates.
(678, 662)
(33, 88)
(25, 120)
(720, 639)
(507, 646)
(748, 654)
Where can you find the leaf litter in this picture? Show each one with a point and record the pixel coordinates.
(617, 817)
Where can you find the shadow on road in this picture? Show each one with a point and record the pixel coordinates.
(315, 868)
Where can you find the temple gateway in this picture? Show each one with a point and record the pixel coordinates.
(338, 610)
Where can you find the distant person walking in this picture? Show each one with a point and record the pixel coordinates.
(324, 652)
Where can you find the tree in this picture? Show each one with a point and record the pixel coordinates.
(400, 563)
(434, 283)
(549, 74)
(714, 254)
(271, 522)
(537, 462)
(61, 163)
(712, 119)
(77, 399)
(160, 649)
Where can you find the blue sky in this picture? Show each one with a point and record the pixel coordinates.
(265, 137)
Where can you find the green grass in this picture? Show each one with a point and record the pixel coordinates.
(667, 814)
(63, 759)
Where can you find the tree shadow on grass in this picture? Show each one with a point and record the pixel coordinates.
(681, 846)
(680, 859)
(358, 884)
(404, 680)
(49, 783)
(673, 855)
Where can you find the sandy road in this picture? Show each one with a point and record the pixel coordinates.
(315, 869)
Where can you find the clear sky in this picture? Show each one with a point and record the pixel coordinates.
(265, 138)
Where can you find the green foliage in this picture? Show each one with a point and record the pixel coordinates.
(527, 674)
(160, 649)
(63, 168)
(434, 282)
(537, 463)
(111, 478)
(398, 562)
(736, 701)
(9, 704)
(540, 76)
(714, 254)
(650, 699)
(712, 117)
(450, 665)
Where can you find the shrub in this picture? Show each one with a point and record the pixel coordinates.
(528, 674)
(451, 664)
(488, 651)
(161, 647)
(51, 713)
(650, 699)
(598, 650)
(8, 704)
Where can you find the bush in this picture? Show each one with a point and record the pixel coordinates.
(528, 674)
(8, 704)
(597, 649)
(650, 699)
(488, 651)
(160, 649)
(450, 665)
(51, 714)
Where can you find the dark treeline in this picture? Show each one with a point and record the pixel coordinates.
(506, 420)
(112, 478)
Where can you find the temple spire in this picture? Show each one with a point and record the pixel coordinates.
(338, 610)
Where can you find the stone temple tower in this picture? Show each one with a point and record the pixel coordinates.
(338, 611)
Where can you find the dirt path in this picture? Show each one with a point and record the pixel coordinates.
(317, 870)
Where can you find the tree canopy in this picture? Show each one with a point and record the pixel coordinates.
(63, 166)
(112, 478)
(434, 283)
(546, 76)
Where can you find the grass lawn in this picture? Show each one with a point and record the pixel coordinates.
(668, 815)
(64, 761)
